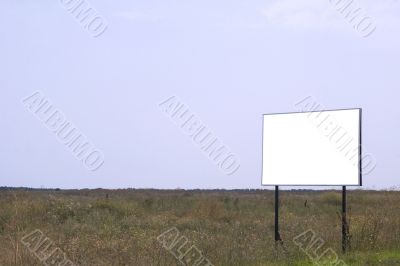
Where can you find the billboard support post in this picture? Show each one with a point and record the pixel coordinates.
(277, 235)
(345, 227)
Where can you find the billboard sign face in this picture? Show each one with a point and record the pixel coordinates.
(321, 148)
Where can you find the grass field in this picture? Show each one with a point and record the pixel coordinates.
(120, 227)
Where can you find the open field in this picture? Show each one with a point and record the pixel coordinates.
(120, 227)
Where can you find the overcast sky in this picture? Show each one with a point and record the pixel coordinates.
(229, 62)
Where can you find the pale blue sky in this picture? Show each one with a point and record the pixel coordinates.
(229, 61)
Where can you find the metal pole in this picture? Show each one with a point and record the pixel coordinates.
(344, 221)
(277, 236)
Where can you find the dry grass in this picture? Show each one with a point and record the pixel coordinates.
(120, 227)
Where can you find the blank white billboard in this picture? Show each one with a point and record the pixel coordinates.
(312, 148)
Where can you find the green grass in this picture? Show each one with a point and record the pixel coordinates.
(120, 227)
